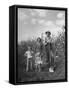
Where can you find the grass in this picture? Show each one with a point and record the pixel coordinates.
(45, 74)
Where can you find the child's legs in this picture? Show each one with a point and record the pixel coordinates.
(39, 67)
(31, 63)
(36, 66)
(27, 64)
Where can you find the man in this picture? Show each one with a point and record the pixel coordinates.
(49, 51)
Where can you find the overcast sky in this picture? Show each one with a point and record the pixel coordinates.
(33, 22)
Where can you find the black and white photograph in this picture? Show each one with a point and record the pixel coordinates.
(41, 44)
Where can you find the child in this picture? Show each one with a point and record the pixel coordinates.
(29, 55)
(38, 61)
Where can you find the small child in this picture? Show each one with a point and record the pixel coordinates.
(38, 61)
(29, 55)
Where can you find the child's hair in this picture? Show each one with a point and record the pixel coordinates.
(39, 39)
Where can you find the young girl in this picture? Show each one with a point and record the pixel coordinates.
(29, 55)
(38, 53)
(38, 61)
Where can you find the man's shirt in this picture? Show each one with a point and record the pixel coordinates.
(48, 40)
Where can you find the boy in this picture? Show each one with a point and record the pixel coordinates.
(29, 55)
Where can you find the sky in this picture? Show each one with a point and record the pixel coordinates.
(33, 23)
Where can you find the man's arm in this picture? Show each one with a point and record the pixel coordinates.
(45, 41)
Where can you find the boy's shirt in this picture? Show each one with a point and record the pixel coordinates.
(29, 54)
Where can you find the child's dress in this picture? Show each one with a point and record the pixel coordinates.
(38, 59)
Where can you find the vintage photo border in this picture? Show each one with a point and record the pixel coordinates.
(16, 43)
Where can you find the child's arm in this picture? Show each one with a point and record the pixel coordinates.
(25, 54)
(32, 53)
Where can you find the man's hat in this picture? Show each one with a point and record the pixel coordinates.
(48, 32)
